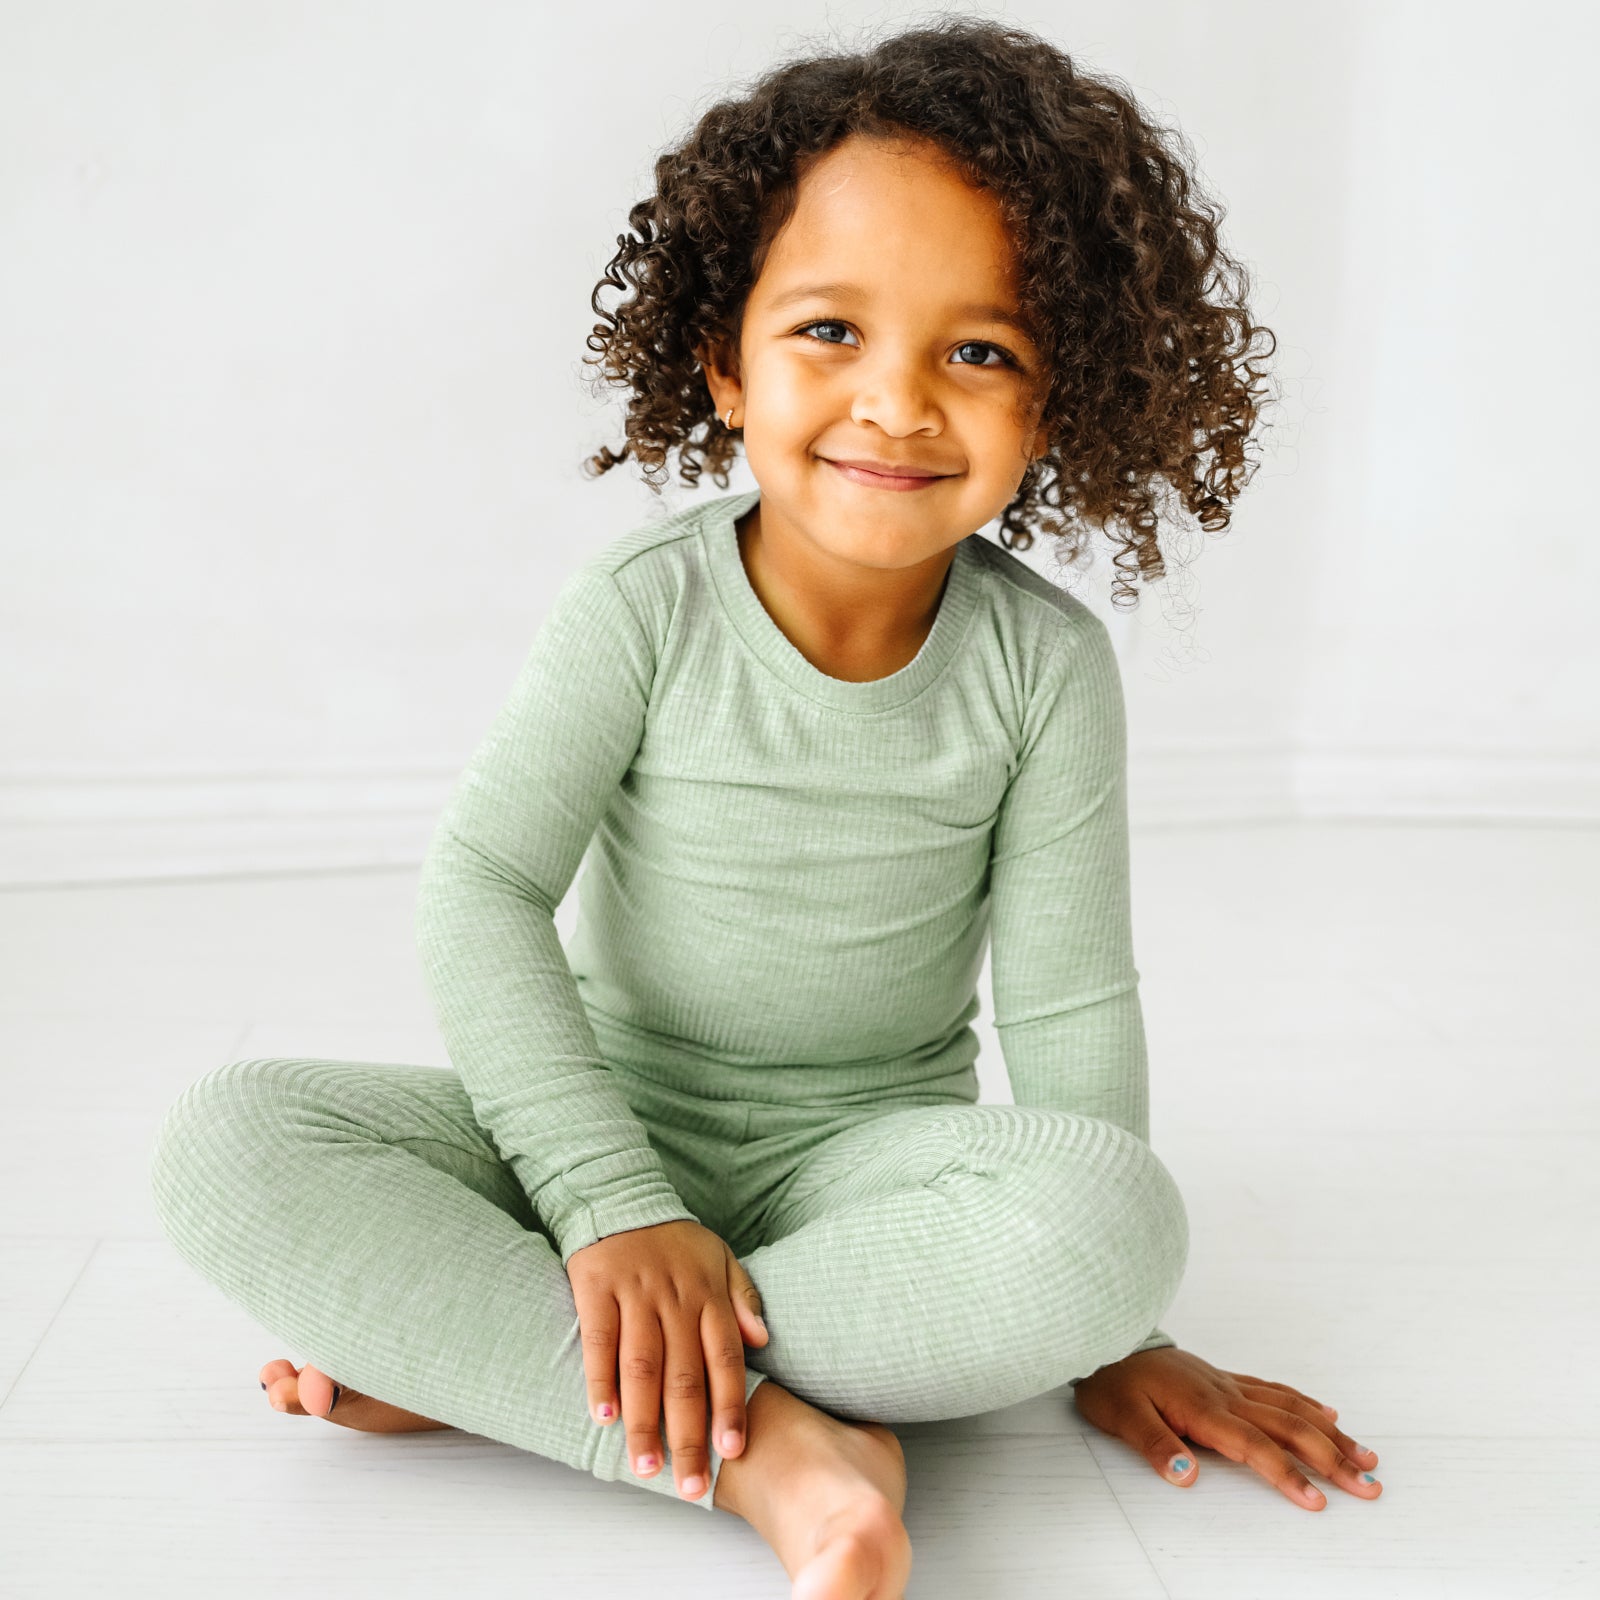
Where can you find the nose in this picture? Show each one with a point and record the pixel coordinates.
(895, 398)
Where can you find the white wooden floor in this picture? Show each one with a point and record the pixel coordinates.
(1373, 1074)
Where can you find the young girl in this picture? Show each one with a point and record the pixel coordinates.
(820, 740)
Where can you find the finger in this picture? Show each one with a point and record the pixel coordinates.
(1307, 1437)
(1239, 1439)
(643, 1350)
(683, 1398)
(1265, 1383)
(1281, 1395)
(1146, 1429)
(746, 1299)
(724, 1353)
(600, 1319)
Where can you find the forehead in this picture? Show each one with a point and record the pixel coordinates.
(892, 218)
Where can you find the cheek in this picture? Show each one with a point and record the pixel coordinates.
(795, 402)
(997, 438)
(791, 372)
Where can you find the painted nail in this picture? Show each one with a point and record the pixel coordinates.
(604, 1413)
(337, 1391)
(263, 1386)
(647, 1464)
(1366, 1477)
(1179, 1465)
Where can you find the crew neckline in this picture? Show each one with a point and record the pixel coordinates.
(719, 533)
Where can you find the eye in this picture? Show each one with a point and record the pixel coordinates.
(1006, 358)
(810, 325)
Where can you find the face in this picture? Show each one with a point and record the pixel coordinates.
(876, 331)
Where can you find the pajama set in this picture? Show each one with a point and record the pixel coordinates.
(762, 1023)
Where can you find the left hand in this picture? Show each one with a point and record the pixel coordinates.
(1151, 1397)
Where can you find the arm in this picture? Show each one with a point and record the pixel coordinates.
(502, 856)
(1066, 991)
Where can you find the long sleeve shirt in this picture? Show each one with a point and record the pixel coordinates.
(794, 876)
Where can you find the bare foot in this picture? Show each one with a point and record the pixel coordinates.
(307, 1392)
(825, 1494)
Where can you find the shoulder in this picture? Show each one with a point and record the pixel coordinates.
(647, 575)
(1032, 600)
(656, 542)
(1045, 635)
(652, 570)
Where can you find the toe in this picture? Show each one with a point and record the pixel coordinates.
(274, 1370)
(316, 1391)
(282, 1395)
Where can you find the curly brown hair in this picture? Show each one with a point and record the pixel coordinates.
(1145, 342)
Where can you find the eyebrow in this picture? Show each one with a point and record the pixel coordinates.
(843, 291)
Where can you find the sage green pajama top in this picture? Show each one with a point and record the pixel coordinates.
(791, 880)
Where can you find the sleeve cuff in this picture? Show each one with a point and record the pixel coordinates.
(575, 1222)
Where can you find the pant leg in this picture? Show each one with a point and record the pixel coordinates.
(359, 1213)
(944, 1260)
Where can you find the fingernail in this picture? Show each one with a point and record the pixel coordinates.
(603, 1412)
(647, 1464)
(693, 1488)
(337, 1391)
(1179, 1465)
(263, 1386)
(1367, 1477)
(730, 1442)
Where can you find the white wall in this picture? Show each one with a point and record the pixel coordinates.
(292, 305)
(1453, 665)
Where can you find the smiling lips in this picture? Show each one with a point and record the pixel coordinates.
(885, 475)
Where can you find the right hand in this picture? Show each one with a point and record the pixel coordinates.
(675, 1304)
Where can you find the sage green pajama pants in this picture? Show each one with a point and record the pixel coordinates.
(914, 1262)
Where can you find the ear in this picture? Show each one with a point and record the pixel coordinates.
(721, 378)
(1039, 440)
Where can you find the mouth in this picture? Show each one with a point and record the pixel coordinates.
(872, 477)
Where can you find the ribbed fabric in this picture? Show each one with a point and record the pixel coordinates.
(914, 1262)
(791, 879)
(763, 1022)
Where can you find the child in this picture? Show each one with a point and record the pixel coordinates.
(820, 740)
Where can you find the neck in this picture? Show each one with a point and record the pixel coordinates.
(849, 621)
